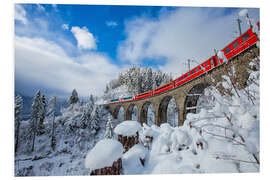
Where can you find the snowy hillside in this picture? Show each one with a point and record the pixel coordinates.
(63, 141)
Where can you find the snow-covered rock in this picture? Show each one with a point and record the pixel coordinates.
(128, 128)
(103, 154)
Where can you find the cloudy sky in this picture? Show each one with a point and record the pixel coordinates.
(62, 47)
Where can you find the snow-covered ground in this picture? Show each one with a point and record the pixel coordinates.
(72, 145)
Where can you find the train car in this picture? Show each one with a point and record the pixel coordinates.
(114, 100)
(130, 98)
(143, 95)
(240, 44)
(163, 88)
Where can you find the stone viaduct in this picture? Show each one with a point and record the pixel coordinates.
(186, 95)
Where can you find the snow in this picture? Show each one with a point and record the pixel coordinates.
(180, 139)
(148, 131)
(103, 154)
(258, 44)
(128, 128)
(132, 159)
(221, 55)
(243, 12)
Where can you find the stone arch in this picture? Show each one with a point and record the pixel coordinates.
(162, 109)
(173, 113)
(144, 112)
(129, 111)
(192, 97)
(116, 111)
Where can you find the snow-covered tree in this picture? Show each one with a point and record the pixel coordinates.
(109, 129)
(149, 79)
(95, 120)
(51, 112)
(144, 83)
(74, 97)
(18, 112)
(35, 118)
(87, 111)
(138, 80)
(43, 113)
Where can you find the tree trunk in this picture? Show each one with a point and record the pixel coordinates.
(33, 143)
(53, 140)
(17, 136)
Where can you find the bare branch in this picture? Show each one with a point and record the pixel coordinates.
(239, 160)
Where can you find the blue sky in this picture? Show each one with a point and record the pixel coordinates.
(62, 47)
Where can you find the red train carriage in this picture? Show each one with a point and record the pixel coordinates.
(197, 71)
(163, 88)
(143, 95)
(240, 44)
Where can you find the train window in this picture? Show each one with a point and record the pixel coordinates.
(235, 44)
(206, 64)
(201, 66)
(245, 37)
(228, 49)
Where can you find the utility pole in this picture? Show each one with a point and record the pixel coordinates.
(188, 64)
(249, 21)
(239, 26)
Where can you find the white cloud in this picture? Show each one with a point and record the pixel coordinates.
(41, 63)
(40, 7)
(65, 26)
(85, 39)
(186, 33)
(20, 13)
(111, 23)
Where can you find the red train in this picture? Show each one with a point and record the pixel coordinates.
(237, 46)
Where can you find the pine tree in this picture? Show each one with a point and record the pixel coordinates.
(74, 97)
(18, 111)
(144, 83)
(43, 113)
(87, 111)
(35, 118)
(159, 78)
(109, 129)
(149, 79)
(51, 112)
(95, 118)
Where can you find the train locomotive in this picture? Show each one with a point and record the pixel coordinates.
(240, 44)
